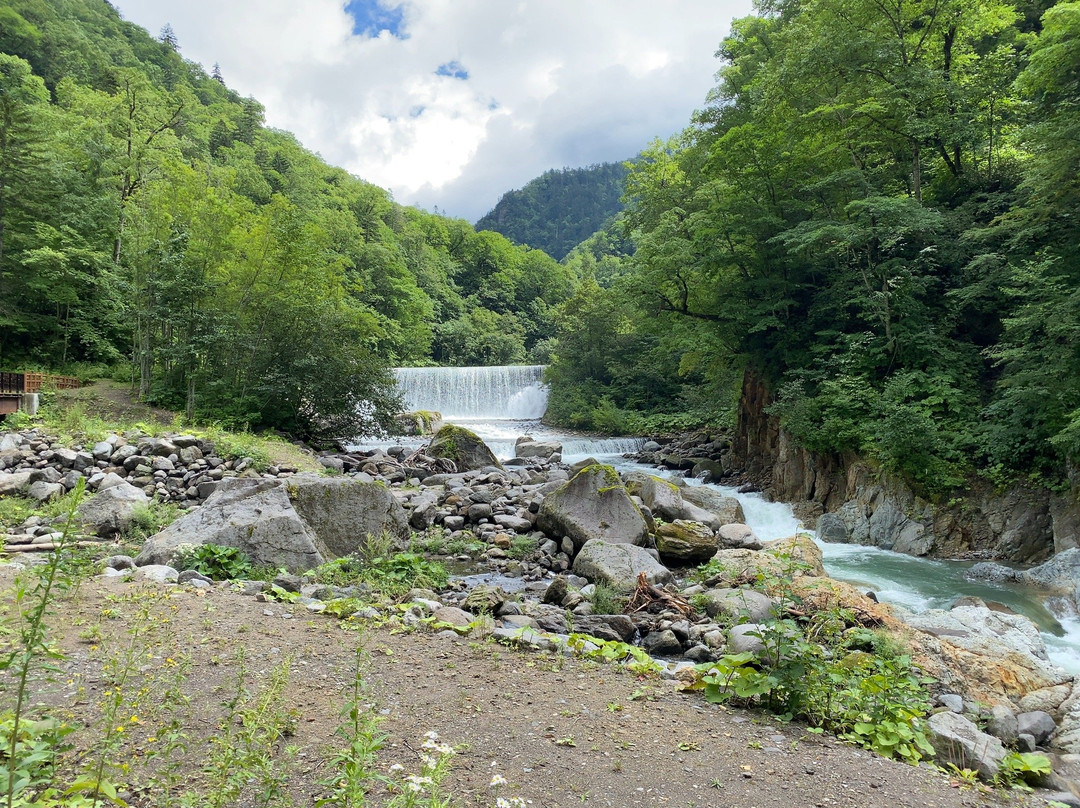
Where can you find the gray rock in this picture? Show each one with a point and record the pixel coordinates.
(737, 536)
(119, 562)
(732, 604)
(1038, 724)
(1060, 574)
(744, 638)
(958, 741)
(514, 523)
(343, 512)
(593, 505)
(611, 627)
(45, 475)
(727, 509)
(556, 591)
(684, 543)
(1009, 641)
(110, 512)
(526, 447)
(662, 643)
(953, 701)
(665, 500)
(188, 576)
(1002, 724)
(453, 615)
(618, 565)
(524, 638)
(42, 491)
(102, 450)
(831, 528)
(991, 573)
(156, 573)
(109, 480)
(255, 516)
(14, 482)
(425, 509)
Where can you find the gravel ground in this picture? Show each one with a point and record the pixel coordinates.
(562, 731)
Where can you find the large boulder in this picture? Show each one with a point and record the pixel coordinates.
(665, 500)
(1060, 574)
(684, 543)
(958, 741)
(254, 516)
(997, 654)
(734, 604)
(528, 447)
(593, 505)
(342, 512)
(464, 448)
(297, 523)
(727, 509)
(111, 511)
(618, 565)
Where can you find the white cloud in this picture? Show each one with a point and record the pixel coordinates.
(551, 83)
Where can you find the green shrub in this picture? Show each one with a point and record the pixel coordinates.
(215, 561)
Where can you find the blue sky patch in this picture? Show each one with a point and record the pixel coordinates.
(371, 17)
(452, 69)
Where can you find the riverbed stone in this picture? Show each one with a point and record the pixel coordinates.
(685, 543)
(42, 491)
(343, 513)
(462, 446)
(735, 535)
(14, 483)
(1040, 725)
(733, 604)
(110, 512)
(619, 564)
(997, 654)
(593, 505)
(958, 741)
(254, 516)
(727, 509)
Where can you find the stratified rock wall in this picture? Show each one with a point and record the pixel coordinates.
(849, 500)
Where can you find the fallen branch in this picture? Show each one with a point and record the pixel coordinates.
(647, 597)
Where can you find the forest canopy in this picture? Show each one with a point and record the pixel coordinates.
(875, 212)
(151, 223)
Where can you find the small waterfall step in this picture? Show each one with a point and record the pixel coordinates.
(498, 392)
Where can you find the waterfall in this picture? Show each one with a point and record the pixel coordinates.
(507, 391)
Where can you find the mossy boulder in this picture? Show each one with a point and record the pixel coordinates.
(683, 542)
(421, 422)
(593, 505)
(463, 447)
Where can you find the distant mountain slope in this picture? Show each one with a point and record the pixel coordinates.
(560, 208)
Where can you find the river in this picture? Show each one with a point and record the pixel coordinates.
(500, 404)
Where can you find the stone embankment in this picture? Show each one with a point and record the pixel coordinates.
(548, 544)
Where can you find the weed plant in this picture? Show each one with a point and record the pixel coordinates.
(31, 750)
(355, 764)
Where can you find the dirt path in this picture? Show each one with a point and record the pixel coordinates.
(564, 732)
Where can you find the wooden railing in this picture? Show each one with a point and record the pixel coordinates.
(13, 384)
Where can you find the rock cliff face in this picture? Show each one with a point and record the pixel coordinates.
(848, 500)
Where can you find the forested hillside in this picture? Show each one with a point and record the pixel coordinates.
(149, 220)
(876, 213)
(559, 209)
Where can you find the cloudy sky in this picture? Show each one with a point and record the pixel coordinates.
(453, 102)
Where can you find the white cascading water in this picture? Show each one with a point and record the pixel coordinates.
(504, 392)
